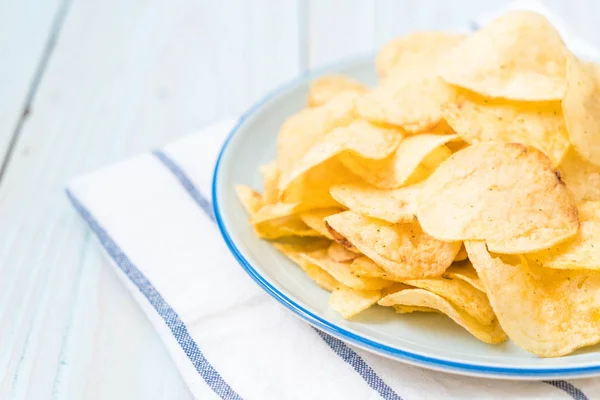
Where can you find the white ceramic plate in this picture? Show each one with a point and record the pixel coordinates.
(423, 339)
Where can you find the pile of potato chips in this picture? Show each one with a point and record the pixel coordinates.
(466, 183)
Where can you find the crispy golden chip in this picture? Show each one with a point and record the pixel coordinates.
(545, 311)
(580, 252)
(364, 266)
(402, 249)
(342, 272)
(349, 302)
(315, 219)
(269, 212)
(360, 138)
(320, 277)
(401, 309)
(462, 254)
(581, 177)
(339, 253)
(397, 205)
(250, 199)
(282, 227)
(327, 87)
(491, 333)
(504, 193)
(461, 294)
(411, 98)
(465, 272)
(519, 55)
(270, 173)
(304, 129)
(538, 124)
(419, 48)
(414, 159)
(581, 107)
(311, 190)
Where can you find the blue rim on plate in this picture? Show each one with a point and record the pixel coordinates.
(439, 364)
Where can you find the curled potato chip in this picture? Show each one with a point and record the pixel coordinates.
(364, 266)
(342, 273)
(397, 205)
(327, 87)
(304, 129)
(461, 294)
(250, 199)
(580, 252)
(504, 193)
(490, 333)
(411, 98)
(519, 56)
(581, 177)
(402, 249)
(462, 254)
(315, 219)
(320, 277)
(581, 107)
(349, 302)
(419, 48)
(465, 272)
(273, 211)
(360, 138)
(270, 173)
(339, 253)
(557, 311)
(311, 190)
(538, 124)
(401, 309)
(414, 159)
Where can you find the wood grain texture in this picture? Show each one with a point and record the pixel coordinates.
(126, 76)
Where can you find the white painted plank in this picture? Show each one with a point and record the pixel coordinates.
(25, 26)
(338, 29)
(124, 77)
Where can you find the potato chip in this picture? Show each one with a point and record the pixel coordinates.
(270, 173)
(414, 159)
(339, 253)
(538, 124)
(545, 311)
(250, 199)
(519, 56)
(311, 190)
(491, 333)
(342, 273)
(302, 130)
(364, 266)
(320, 277)
(462, 254)
(349, 302)
(397, 205)
(581, 107)
(580, 252)
(400, 309)
(327, 87)
(581, 177)
(411, 98)
(273, 211)
(504, 193)
(419, 48)
(465, 272)
(360, 138)
(461, 294)
(315, 219)
(402, 249)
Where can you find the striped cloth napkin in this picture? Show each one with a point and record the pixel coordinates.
(152, 216)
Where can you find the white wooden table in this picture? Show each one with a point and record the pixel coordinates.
(86, 82)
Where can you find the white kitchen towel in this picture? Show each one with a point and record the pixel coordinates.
(152, 216)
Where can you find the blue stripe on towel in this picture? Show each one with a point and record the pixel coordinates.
(339, 347)
(210, 375)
